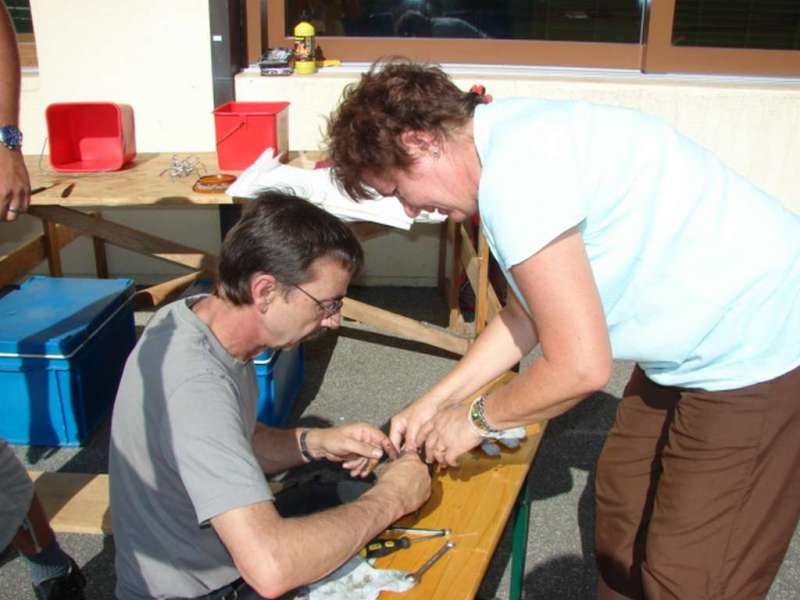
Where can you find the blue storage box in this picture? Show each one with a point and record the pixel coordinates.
(63, 345)
(280, 375)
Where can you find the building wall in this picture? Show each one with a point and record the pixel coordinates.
(155, 56)
(150, 54)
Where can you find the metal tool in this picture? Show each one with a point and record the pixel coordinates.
(385, 546)
(416, 575)
(42, 188)
(418, 531)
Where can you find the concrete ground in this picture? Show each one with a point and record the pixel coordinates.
(360, 374)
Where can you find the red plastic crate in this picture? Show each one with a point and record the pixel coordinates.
(90, 136)
(245, 129)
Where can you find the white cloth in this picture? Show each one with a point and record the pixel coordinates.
(510, 438)
(356, 580)
(317, 186)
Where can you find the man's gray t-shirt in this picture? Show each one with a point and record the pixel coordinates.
(181, 453)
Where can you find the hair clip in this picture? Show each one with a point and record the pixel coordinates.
(480, 91)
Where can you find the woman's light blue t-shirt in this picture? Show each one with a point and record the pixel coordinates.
(698, 270)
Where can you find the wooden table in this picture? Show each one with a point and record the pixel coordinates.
(474, 501)
(142, 184)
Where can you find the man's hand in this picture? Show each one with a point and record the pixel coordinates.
(15, 187)
(448, 435)
(358, 446)
(405, 425)
(407, 480)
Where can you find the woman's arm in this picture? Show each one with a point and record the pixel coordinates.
(507, 338)
(557, 283)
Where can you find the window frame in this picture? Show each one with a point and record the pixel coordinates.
(662, 57)
(655, 55)
(450, 50)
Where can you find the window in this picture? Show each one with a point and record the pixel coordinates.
(581, 20)
(760, 37)
(766, 24)
(20, 11)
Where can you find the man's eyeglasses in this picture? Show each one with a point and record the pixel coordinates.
(328, 308)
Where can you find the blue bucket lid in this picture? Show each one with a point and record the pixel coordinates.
(54, 315)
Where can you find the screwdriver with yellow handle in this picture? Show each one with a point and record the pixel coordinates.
(385, 546)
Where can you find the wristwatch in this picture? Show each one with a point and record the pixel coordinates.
(10, 137)
(477, 416)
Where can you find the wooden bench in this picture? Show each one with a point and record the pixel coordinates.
(474, 501)
(74, 502)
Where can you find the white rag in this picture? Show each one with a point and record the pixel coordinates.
(510, 438)
(317, 186)
(356, 580)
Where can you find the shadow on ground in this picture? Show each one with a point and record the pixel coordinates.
(572, 443)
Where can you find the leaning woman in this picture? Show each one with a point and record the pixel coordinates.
(620, 239)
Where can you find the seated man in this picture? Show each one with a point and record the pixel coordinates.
(193, 514)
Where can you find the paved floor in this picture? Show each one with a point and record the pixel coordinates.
(360, 374)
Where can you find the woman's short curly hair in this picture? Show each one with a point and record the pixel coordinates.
(394, 96)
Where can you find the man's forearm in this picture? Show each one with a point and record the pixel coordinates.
(275, 555)
(276, 449)
(351, 525)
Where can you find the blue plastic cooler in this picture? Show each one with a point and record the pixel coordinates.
(280, 375)
(63, 345)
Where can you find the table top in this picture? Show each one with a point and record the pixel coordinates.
(143, 182)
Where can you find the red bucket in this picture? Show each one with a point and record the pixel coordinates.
(90, 136)
(245, 129)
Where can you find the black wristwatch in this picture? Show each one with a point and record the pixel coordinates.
(11, 137)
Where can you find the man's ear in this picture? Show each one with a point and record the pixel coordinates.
(417, 141)
(262, 288)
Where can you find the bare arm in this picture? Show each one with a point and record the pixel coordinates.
(274, 554)
(558, 284)
(9, 70)
(567, 314)
(14, 183)
(509, 336)
(358, 446)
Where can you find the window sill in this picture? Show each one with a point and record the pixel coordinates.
(348, 69)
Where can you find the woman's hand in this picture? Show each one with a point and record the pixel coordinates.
(448, 435)
(406, 424)
(358, 446)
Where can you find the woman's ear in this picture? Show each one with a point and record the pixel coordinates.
(262, 288)
(417, 141)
